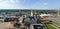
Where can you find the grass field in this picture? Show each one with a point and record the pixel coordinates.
(50, 27)
(55, 20)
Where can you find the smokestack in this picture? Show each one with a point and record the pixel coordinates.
(31, 12)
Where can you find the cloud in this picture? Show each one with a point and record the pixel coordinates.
(45, 3)
(40, 6)
(14, 1)
(10, 4)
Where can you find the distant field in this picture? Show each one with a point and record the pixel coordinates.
(56, 21)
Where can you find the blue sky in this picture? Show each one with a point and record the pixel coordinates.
(29, 4)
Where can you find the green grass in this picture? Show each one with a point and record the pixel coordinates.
(50, 27)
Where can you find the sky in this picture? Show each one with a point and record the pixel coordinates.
(29, 4)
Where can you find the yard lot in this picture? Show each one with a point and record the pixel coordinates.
(55, 21)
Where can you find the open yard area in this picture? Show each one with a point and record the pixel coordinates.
(55, 21)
